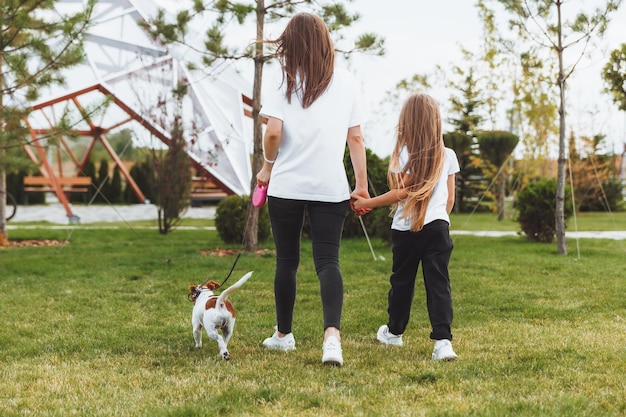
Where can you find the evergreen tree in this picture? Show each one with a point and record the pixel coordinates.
(116, 186)
(103, 182)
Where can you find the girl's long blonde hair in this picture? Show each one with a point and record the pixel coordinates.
(420, 132)
(307, 55)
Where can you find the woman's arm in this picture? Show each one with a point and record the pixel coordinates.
(271, 143)
(358, 159)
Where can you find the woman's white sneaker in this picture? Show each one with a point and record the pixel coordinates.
(443, 351)
(285, 343)
(385, 337)
(331, 352)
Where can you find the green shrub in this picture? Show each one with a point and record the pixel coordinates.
(230, 220)
(536, 204)
(596, 199)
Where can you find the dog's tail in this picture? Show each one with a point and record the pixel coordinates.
(224, 295)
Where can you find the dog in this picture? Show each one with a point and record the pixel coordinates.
(214, 313)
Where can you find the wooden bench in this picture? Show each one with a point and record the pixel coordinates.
(41, 184)
(205, 190)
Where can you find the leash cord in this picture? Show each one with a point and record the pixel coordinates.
(229, 273)
(231, 269)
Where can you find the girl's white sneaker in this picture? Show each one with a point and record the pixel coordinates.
(385, 337)
(443, 351)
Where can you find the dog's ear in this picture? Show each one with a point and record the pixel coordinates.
(192, 288)
(212, 285)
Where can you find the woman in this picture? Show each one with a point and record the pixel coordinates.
(312, 113)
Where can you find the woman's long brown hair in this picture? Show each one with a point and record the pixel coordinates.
(420, 131)
(307, 55)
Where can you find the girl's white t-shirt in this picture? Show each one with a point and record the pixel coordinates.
(309, 165)
(436, 209)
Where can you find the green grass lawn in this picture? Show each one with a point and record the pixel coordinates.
(587, 221)
(101, 327)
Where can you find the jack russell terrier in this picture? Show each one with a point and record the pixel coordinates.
(214, 313)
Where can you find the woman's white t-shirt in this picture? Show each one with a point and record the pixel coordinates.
(309, 165)
(436, 209)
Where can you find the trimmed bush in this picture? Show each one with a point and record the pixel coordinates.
(536, 204)
(230, 220)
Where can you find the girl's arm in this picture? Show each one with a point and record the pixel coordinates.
(271, 142)
(387, 199)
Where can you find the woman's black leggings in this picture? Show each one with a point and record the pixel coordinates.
(326, 222)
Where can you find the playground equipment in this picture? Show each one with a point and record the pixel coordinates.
(127, 82)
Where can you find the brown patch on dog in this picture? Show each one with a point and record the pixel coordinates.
(212, 301)
(212, 285)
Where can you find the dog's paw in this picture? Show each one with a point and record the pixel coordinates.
(226, 356)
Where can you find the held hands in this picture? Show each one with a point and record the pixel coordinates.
(358, 203)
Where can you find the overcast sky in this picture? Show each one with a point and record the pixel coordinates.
(420, 34)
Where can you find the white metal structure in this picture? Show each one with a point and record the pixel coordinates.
(136, 75)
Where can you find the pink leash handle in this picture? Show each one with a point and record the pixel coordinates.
(259, 195)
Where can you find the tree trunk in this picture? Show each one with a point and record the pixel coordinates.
(252, 216)
(560, 179)
(500, 197)
(4, 239)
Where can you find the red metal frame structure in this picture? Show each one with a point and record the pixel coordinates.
(134, 76)
(39, 144)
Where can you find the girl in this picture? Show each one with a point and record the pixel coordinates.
(312, 112)
(421, 180)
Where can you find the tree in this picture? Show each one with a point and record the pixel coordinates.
(104, 182)
(614, 75)
(543, 23)
(596, 187)
(172, 172)
(496, 147)
(36, 43)
(171, 168)
(116, 186)
(465, 106)
(222, 12)
(534, 112)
